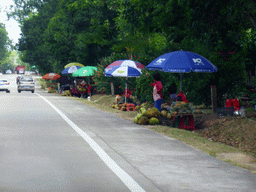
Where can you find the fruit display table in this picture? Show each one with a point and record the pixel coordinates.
(182, 115)
(184, 121)
(76, 92)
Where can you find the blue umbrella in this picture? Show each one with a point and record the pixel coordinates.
(182, 62)
(70, 70)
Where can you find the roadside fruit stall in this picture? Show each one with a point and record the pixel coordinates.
(183, 115)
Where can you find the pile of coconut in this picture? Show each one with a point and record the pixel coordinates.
(151, 116)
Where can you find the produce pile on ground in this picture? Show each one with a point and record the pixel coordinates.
(150, 116)
(66, 93)
(52, 90)
(122, 107)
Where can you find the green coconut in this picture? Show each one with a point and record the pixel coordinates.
(142, 110)
(169, 115)
(143, 120)
(139, 115)
(136, 120)
(164, 113)
(152, 112)
(144, 105)
(154, 121)
(137, 108)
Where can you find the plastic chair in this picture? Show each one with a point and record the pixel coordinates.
(130, 105)
(228, 103)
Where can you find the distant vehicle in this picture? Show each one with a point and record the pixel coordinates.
(28, 72)
(8, 72)
(4, 85)
(20, 69)
(26, 83)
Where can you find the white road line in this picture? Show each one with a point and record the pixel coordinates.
(125, 178)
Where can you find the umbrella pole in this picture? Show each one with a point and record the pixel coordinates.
(125, 89)
(180, 81)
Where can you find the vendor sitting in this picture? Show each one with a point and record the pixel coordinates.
(127, 93)
(172, 91)
(181, 97)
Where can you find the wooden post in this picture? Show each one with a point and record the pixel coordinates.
(214, 98)
(255, 78)
(112, 89)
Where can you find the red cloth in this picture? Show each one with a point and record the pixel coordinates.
(183, 97)
(159, 88)
(128, 93)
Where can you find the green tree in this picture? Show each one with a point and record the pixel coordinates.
(81, 31)
(3, 42)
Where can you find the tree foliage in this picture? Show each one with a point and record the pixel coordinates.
(3, 42)
(56, 32)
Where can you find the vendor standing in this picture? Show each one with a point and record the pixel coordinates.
(157, 90)
(88, 90)
(172, 91)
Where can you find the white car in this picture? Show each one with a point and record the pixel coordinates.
(26, 83)
(8, 72)
(4, 85)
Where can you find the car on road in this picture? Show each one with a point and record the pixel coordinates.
(26, 83)
(8, 72)
(5, 85)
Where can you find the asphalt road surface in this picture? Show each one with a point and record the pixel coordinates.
(53, 143)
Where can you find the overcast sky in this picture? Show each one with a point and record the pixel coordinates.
(12, 27)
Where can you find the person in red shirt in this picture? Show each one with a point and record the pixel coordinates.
(157, 90)
(127, 93)
(88, 89)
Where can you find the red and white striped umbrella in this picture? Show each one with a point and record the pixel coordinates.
(123, 63)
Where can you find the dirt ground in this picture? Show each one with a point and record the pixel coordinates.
(233, 131)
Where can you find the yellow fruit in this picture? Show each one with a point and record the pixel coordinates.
(164, 113)
(169, 115)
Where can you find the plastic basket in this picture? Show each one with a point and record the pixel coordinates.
(225, 111)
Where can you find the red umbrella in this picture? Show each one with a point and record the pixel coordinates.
(51, 76)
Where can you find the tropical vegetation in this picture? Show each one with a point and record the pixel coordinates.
(95, 33)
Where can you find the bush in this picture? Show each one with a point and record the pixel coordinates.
(52, 91)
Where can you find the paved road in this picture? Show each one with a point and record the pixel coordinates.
(53, 143)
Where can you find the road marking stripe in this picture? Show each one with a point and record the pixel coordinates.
(125, 178)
